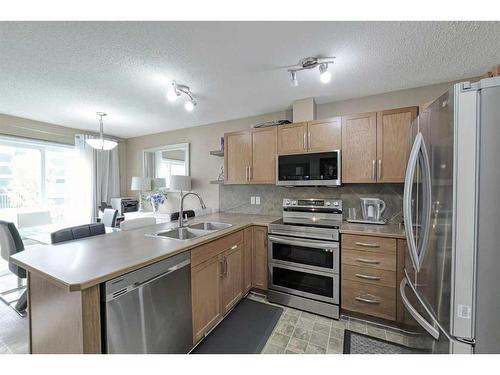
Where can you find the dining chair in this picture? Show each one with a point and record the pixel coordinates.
(77, 232)
(10, 244)
(33, 219)
(109, 217)
(137, 223)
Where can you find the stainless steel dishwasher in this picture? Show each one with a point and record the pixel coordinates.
(149, 310)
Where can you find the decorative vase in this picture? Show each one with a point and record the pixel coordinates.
(155, 205)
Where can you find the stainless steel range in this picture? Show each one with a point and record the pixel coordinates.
(303, 256)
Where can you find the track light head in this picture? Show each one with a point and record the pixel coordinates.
(324, 75)
(173, 93)
(189, 105)
(293, 79)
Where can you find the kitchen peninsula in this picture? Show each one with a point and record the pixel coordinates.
(65, 280)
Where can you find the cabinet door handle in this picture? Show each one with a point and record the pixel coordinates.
(379, 169)
(374, 174)
(367, 277)
(225, 266)
(234, 247)
(367, 300)
(221, 264)
(367, 261)
(305, 146)
(364, 244)
(309, 139)
(250, 173)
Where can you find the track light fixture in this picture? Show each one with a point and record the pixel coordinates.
(310, 63)
(177, 90)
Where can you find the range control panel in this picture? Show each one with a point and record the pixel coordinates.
(306, 203)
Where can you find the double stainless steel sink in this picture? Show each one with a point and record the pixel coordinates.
(192, 231)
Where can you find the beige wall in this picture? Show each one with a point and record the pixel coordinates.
(26, 128)
(203, 166)
(389, 100)
(204, 138)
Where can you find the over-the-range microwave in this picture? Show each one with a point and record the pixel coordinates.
(311, 169)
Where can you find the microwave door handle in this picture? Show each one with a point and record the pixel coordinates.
(407, 196)
(305, 243)
(431, 329)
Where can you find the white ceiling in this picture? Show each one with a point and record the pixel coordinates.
(63, 72)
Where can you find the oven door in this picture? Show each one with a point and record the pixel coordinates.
(305, 253)
(317, 285)
(322, 168)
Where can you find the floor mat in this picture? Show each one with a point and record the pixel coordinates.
(244, 331)
(357, 343)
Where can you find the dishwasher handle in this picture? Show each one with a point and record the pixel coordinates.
(170, 270)
(138, 284)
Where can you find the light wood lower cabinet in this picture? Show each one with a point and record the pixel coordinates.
(216, 281)
(205, 291)
(372, 268)
(379, 301)
(259, 258)
(232, 278)
(247, 259)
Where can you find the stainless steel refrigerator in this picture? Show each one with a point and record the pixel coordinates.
(451, 210)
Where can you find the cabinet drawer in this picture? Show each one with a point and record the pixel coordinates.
(204, 252)
(379, 301)
(369, 275)
(384, 261)
(368, 243)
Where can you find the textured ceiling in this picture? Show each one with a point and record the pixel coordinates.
(63, 72)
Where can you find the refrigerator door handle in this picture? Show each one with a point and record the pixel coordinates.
(417, 251)
(426, 204)
(431, 329)
(407, 214)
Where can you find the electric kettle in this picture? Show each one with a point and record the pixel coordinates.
(372, 208)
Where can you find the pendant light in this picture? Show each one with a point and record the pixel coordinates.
(100, 143)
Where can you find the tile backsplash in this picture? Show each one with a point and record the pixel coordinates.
(236, 198)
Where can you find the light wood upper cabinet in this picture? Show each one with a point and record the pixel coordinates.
(205, 290)
(359, 148)
(263, 170)
(247, 259)
(375, 146)
(237, 157)
(324, 135)
(232, 278)
(259, 258)
(393, 148)
(313, 136)
(292, 138)
(250, 156)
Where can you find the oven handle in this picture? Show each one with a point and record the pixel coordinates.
(305, 243)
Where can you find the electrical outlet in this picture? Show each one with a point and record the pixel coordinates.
(257, 200)
(252, 200)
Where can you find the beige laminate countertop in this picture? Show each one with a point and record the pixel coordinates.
(387, 230)
(80, 264)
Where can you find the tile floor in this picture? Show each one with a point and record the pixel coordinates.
(300, 332)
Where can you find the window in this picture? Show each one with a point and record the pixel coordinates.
(32, 178)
